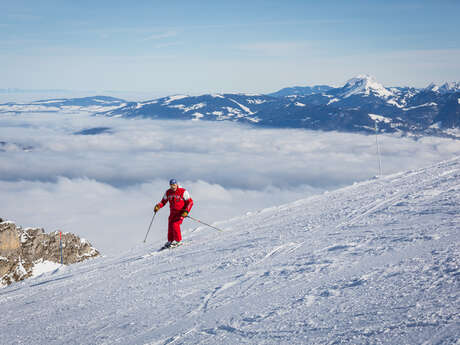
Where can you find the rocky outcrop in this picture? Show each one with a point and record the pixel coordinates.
(21, 249)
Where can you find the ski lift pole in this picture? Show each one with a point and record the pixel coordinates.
(145, 239)
(199, 221)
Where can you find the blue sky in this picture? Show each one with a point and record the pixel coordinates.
(225, 46)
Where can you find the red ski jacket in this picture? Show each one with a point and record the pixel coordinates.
(179, 200)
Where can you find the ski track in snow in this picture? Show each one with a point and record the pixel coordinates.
(373, 263)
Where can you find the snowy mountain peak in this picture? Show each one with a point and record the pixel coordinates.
(450, 87)
(447, 87)
(367, 85)
(432, 87)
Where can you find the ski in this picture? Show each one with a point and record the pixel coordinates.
(157, 251)
(171, 246)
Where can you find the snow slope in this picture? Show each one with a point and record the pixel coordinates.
(376, 262)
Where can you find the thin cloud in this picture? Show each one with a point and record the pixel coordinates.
(275, 49)
(168, 45)
(23, 16)
(161, 35)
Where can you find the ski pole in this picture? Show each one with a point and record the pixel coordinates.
(199, 221)
(154, 213)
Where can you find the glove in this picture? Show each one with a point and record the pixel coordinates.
(184, 214)
(156, 208)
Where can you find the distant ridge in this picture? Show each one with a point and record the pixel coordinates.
(301, 91)
(361, 105)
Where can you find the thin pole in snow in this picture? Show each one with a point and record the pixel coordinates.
(378, 149)
(60, 245)
(199, 221)
(145, 239)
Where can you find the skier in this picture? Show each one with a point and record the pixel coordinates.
(180, 204)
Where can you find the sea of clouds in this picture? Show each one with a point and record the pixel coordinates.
(103, 187)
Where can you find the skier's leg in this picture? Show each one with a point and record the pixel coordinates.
(175, 227)
(171, 228)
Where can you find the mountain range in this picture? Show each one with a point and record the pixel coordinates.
(361, 105)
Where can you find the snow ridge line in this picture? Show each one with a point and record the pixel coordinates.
(379, 205)
(173, 339)
(279, 248)
(370, 210)
(398, 175)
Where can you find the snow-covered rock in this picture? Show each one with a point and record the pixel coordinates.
(22, 250)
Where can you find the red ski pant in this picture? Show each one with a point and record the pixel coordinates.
(174, 222)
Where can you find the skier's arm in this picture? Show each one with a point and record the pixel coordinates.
(163, 202)
(188, 204)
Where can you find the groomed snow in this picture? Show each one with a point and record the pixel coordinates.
(44, 266)
(374, 263)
